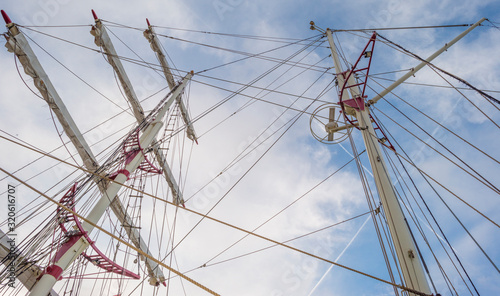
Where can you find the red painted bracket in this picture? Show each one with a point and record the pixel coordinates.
(357, 103)
(99, 259)
(132, 147)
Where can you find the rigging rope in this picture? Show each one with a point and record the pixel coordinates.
(381, 221)
(433, 217)
(476, 90)
(65, 67)
(467, 98)
(274, 245)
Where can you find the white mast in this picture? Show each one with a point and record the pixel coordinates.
(150, 35)
(102, 40)
(411, 267)
(407, 254)
(70, 251)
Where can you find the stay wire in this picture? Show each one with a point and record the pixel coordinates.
(240, 91)
(283, 209)
(374, 213)
(269, 90)
(274, 245)
(254, 99)
(491, 186)
(493, 24)
(264, 38)
(315, 38)
(469, 100)
(410, 209)
(74, 74)
(253, 87)
(376, 77)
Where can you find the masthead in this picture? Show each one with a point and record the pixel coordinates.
(6, 17)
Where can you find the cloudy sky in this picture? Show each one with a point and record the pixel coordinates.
(282, 163)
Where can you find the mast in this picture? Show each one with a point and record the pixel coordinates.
(102, 40)
(150, 35)
(404, 244)
(70, 250)
(19, 45)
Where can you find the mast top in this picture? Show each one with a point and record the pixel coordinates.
(6, 17)
(95, 15)
(147, 21)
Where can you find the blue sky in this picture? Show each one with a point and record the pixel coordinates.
(297, 162)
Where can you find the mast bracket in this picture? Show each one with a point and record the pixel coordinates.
(350, 76)
(99, 259)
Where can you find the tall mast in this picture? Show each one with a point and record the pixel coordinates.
(102, 40)
(407, 253)
(70, 250)
(411, 267)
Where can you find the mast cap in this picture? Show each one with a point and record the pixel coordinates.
(6, 17)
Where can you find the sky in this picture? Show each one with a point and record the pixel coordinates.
(286, 164)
